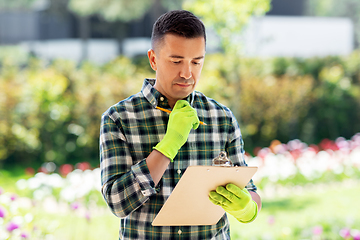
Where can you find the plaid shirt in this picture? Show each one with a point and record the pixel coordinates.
(129, 131)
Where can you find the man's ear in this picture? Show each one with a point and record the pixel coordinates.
(152, 59)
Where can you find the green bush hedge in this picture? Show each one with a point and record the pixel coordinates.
(51, 111)
(288, 98)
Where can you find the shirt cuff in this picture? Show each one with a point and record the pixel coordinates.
(142, 176)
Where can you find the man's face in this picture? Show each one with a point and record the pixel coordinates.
(178, 62)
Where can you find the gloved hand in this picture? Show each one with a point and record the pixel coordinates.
(236, 201)
(182, 118)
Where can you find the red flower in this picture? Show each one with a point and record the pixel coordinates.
(83, 166)
(326, 144)
(29, 171)
(65, 169)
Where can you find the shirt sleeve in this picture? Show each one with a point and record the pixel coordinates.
(125, 186)
(236, 149)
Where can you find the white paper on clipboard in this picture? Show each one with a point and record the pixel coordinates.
(189, 203)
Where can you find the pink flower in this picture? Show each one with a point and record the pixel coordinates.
(12, 226)
(317, 230)
(13, 197)
(314, 148)
(271, 220)
(83, 166)
(263, 153)
(24, 235)
(2, 212)
(345, 233)
(296, 153)
(75, 205)
(88, 216)
(43, 170)
(355, 234)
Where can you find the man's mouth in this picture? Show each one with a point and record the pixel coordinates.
(183, 84)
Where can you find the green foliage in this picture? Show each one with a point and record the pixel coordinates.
(51, 112)
(111, 10)
(227, 17)
(287, 98)
(4, 4)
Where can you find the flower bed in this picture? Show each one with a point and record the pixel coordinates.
(62, 190)
(77, 194)
(296, 163)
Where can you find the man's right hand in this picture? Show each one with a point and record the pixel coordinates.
(182, 118)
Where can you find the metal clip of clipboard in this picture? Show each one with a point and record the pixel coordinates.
(222, 160)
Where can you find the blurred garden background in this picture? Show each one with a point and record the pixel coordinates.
(64, 62)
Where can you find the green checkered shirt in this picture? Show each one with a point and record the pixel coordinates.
(129, 131)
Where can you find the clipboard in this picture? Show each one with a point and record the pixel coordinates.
(189, 204)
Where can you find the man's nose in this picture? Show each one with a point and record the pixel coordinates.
(186, 72)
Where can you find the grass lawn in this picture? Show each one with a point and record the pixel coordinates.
(101, 227)
(286, 214)
(295, 214)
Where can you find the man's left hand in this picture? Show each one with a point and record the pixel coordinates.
(235, 201)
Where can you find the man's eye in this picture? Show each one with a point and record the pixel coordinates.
(176, 62)
(196, 63)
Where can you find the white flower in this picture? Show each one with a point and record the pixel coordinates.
(55, 180)
(21, 184)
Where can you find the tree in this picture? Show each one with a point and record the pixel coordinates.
(5, 4)
(111, 10)
(119, 11)
(228, 18)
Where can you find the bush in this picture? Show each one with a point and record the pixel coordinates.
(50, 112)
(287, 98)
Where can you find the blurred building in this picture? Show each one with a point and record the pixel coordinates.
(290, 36)
(285, 31)
(55, 32)
(50, 33)
(287, 8)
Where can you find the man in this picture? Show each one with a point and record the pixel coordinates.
(145, 151)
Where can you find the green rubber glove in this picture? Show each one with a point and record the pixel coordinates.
(235, 201)
(181, 120)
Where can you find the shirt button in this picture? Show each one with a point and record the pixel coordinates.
(179, 171)
(161, 98)
(179, 232)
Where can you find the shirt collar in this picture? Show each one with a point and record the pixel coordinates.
(155, 98)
